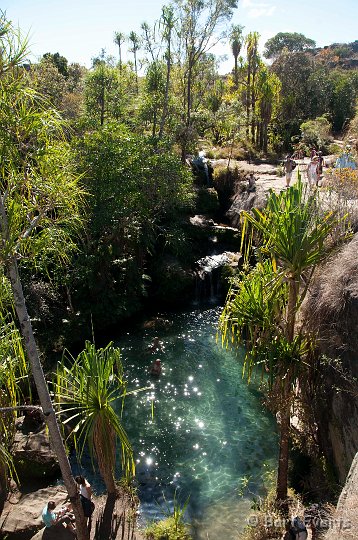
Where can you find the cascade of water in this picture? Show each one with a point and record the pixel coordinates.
(208, 271)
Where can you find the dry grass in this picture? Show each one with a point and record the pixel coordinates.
(331, 308)
(340, 194)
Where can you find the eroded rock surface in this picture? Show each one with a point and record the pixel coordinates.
(22, 518)
(32, 452)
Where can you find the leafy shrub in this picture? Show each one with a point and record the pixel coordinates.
(316, 132)
(333, 148)
(167, 530)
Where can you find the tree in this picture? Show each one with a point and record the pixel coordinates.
(104, 93)
(253, 64)
(291, 41)
(39, 209)
(119, 39)
(152, 101)
(59, 61)
(268, 98)
(236, 40)
(197, 20)
(86, 393)
(134, 39)
(262, 311)
(134, 194)
(316, 132)
(294, 71)
(167, 23)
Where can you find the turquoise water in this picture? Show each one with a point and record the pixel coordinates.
(209, 428)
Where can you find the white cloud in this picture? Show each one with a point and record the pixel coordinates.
(258, 9)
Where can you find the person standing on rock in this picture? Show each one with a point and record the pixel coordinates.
(289, 165)
(85, 495)
(312, 172)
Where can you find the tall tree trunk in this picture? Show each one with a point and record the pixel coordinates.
(45, 399)
(285, 409)
(253, 105)
(106, 462)
(166, 97)
(248, 88)
(40, 382)
(291, 308)
(188, 93)
(136, 72)
(282, 471)
(102, 104)
(236, 73)
(154, 130)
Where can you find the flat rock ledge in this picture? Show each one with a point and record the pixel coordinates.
(21, 517)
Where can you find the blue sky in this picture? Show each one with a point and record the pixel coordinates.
(79, 29)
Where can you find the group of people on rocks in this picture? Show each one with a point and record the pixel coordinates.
(314, 168)
(64, 516)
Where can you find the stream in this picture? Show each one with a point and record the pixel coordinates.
(200, 430)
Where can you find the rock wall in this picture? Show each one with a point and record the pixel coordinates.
(331, 310)
(344, 523)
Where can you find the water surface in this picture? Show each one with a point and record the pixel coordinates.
(209, 429)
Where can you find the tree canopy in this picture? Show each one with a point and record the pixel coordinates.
(292, 41)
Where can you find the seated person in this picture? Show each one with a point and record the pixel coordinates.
(156, 368)
(251, 183)
(62, 517)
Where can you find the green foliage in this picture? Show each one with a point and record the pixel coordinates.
(88, 391)
(290, 41)
(167, 530)
(173, 527)
(60, 62)
(137, 196)
(316, 133)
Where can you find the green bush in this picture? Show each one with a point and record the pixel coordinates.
(167, 529)
(317, 132)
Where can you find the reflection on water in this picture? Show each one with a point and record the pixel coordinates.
(208, 430)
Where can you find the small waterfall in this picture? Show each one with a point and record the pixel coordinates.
(208, 272)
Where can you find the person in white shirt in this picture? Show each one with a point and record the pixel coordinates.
(85, 495)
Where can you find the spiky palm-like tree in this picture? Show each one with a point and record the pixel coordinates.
(293, 235)
(236, 41)
(87, 393)
(119, 39)
(135, 41)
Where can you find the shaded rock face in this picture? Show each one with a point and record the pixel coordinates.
(344, 523)
(331, 310)
(31, 450)
(22, 519)
(245, 200)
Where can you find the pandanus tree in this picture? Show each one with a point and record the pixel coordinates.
(40, 203)
(236, 40)
(90, 391)
(119, 39)
(135, 41)
(261, 309)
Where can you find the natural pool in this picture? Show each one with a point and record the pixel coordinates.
(209, 428)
